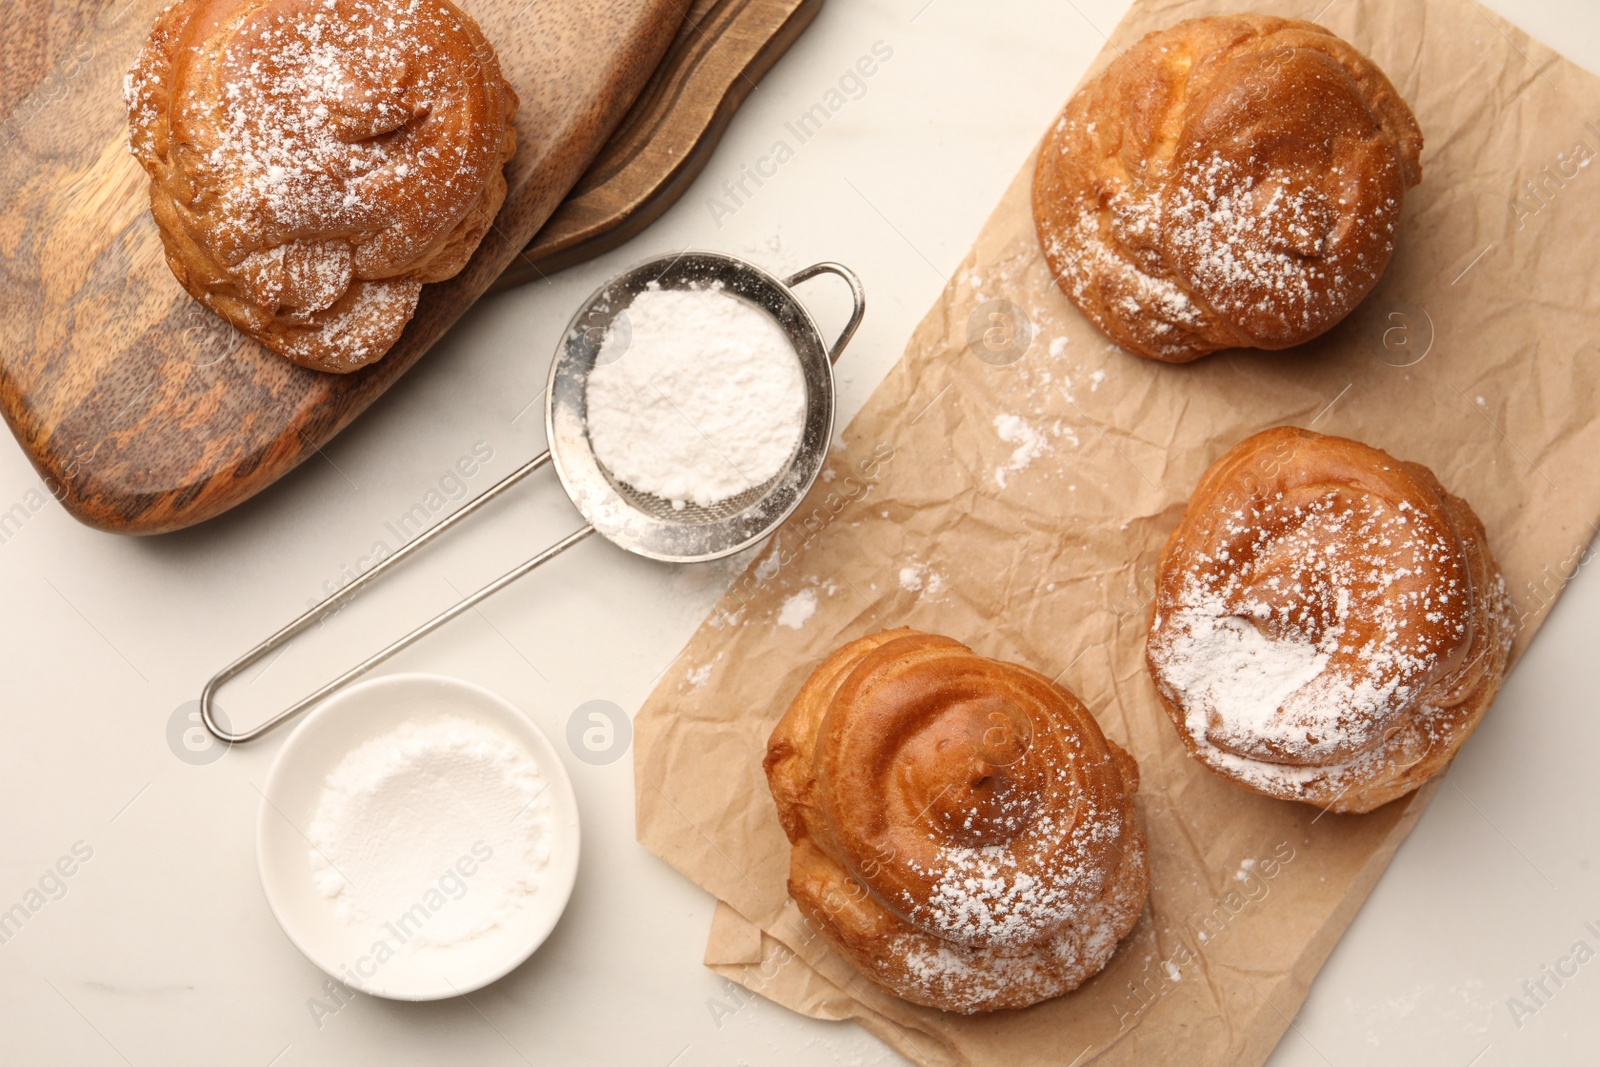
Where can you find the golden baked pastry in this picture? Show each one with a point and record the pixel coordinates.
(314, 164)
(1329, 624)
(962, 831)
(1229, 182)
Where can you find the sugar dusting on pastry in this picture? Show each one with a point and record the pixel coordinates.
(1316, 637)
(1232, 181)
(1262, 238)
(1108, 285)
(963, 833)
(1263, 652)
(314, 164)
(987, 897)
(969, 980)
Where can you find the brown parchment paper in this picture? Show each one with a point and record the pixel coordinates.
(1021, 506)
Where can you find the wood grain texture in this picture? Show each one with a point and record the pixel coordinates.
(719, 54)
(142, 411)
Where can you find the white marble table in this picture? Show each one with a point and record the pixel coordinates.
(159, 948)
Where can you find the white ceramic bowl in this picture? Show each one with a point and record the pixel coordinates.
(294, 786)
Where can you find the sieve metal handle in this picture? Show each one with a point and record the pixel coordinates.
(857, 294)
(331, 603)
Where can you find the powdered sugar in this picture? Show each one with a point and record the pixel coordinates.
(972, 978)
(1238, 678)
(407, 814)
(983, 898)
(1178, 249)
(303, 126)
(798, 609)
(1001, 870)
(364, 327)
(1264, 242)
(1087, 262)
(703, 400)
(1295, 647)
(1030, 445)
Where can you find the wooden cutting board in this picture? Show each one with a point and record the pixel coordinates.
(142, 411)
(721, 51)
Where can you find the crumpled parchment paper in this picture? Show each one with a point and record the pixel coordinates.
(1011, 484)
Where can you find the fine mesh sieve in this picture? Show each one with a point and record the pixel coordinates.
(638, 522)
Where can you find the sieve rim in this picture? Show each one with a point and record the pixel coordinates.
(591, 487)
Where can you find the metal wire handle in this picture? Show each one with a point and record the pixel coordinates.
(858, 299)
(327, 607)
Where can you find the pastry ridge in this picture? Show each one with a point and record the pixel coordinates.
(962, 832)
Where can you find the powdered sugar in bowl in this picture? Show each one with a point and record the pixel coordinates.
(418, 837)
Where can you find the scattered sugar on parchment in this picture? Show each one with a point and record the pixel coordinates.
(921, 578)
(798, 609)
(1057, 347)
(1030, 445)
(1095, 379)
(700, 675)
